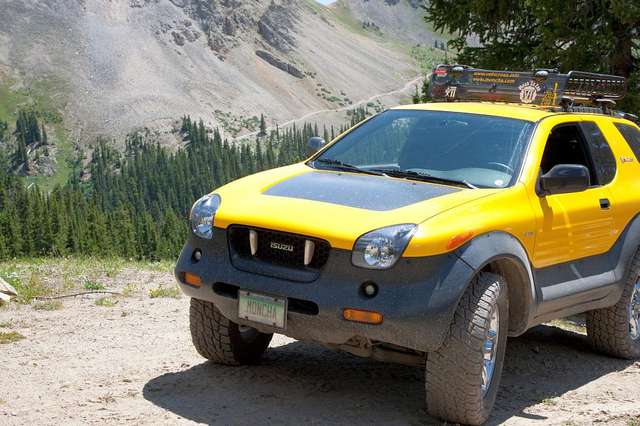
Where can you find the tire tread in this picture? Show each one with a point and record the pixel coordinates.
(608, 328)
(217, 339)
(452, 374)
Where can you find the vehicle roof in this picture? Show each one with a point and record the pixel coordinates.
(517, 111)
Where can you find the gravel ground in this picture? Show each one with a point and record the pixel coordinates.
(133, 362)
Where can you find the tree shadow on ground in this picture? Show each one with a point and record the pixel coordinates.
(302, 383)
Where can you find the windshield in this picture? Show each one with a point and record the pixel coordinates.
(477, 150)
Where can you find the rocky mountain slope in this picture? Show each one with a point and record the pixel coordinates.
(115, 65)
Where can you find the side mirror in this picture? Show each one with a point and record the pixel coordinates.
(564, 179)
(314, 145)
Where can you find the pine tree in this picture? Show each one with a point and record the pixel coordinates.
(133, 205)
(4, 130)
(416, 96)
(263, 126)
(21, 156)
(45, 138)
(425, 94)
(4, 252)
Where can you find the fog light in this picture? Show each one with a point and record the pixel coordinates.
(197, 255)
(369, 289)
(366, 317)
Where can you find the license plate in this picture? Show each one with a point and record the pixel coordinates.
(262, 309)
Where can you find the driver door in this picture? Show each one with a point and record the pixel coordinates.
(576, 225)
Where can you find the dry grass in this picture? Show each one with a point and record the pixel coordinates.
(37, 277)
(574, 324)
(10, 337)
(106, 302)
(163, 291)
(130, 290)
(49, 305)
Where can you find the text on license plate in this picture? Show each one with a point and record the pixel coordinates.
(262, 309)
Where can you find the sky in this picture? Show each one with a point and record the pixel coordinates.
(326, 1)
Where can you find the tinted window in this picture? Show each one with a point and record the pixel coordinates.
(486, 151)
(632, 136)
(603, 158)
(566, 145)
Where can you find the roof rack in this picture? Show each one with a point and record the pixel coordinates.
(542, 87)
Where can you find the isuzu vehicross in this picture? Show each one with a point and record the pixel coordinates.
(428, 234)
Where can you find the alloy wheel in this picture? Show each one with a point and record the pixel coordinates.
(490, 349)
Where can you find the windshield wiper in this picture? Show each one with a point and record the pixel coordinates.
(411, 174)
(339, 165)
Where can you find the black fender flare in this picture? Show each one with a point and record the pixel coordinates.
(624, 251)
(507, 257)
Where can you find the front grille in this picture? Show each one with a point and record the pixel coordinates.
(279, 248)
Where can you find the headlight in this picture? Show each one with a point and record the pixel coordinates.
(202, 214)
(381, 249)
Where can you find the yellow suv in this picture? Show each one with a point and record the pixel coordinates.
(428, 234)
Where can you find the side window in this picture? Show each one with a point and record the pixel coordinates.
(603, 158)
(566, 145)
(632, 136)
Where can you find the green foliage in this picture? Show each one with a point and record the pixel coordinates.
(428, 57)
(134, 205)
(263, 126)
(4, 132)
(28, 128)
(423, 95)
(234, 125)
(591, 35)
(92, 285)
(29, 289)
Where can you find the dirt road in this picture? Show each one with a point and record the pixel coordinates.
(133, 363)
(409, 85)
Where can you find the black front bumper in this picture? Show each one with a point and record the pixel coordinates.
(417, 297)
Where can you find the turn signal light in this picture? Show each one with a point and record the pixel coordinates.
(459, 240)
(366, 317)
(192, 279)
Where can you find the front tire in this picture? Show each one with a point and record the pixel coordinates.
(463, 376)
(223, 341)
(615, 331)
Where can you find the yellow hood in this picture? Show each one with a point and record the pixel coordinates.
(335, 206)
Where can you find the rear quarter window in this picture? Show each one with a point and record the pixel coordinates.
(632, 136)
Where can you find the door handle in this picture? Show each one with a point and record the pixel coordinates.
(605, 204)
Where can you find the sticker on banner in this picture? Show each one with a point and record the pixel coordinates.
(529, 91)
(450, 92)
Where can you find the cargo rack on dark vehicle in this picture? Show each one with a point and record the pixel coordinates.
(575, 91)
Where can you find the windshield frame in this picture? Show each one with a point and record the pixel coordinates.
(517, 170)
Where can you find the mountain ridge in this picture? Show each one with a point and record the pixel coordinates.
(126, 64)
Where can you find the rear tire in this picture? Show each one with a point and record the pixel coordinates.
(459, 389)
(223, 341)
(615, 331)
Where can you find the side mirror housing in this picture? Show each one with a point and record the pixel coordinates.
(564, 179)
(314, 145)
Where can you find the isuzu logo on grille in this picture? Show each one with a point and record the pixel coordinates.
(280, 246)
